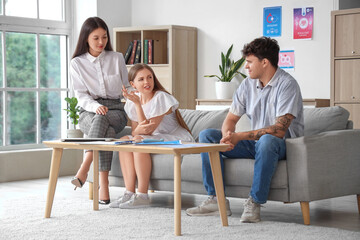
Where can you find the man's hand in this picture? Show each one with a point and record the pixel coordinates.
(102, 110)
(229, 138)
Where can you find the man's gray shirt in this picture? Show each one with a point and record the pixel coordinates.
(263, 105)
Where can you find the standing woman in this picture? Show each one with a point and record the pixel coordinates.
(98, 74)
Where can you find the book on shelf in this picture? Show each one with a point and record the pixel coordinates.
(133, 52)
(138, 52)
(146, 51)
(151, 51)
(128, 52)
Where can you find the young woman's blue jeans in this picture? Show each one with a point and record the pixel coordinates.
(267, 151)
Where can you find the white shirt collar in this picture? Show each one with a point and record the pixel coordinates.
(92, 59)
(273, 81)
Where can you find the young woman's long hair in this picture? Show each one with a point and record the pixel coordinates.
(157, 87)
(88, 27)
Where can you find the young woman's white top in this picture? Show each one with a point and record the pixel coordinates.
(98, 77)
(169, 128)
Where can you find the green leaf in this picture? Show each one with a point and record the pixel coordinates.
(242, 61)
(211, 76)
(229, 51)
(243, 75)
(72, 109)
(229, 68)
(223, 61)
(221, 70)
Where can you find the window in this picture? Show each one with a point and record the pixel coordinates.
(33, 71)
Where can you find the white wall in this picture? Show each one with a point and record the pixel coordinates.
(122, 16)
(82, 9)
(116, 13)
(226, 22)
(221, 23)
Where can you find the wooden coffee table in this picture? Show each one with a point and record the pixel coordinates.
(176, 150)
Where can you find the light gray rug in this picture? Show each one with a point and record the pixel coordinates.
(77, 221)
(73, 218)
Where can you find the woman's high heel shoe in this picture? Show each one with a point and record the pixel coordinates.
(77, 182)
(104, 202)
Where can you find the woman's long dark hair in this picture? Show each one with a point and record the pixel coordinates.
(88, 27)
(157, 87)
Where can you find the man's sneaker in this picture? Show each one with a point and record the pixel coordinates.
(251, 212)
(136, 201)
(209, 207)
(126, 197)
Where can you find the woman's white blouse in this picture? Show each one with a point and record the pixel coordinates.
(169, 128)
(98, 77)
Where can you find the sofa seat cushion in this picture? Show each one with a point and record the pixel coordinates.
(162, 166)
(318, 120)
(191, 168)
(238, 172)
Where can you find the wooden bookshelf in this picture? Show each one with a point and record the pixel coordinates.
(175, 57)
(345, 62)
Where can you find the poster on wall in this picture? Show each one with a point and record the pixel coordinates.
(287, 59)
(272, 22)
(303, 23)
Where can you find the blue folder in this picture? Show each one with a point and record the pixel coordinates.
(177, 142)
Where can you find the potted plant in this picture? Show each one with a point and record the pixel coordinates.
(229, 69)
(73, 111)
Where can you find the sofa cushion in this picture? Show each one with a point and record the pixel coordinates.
(238, 172)
(317, 120)
(198, 120)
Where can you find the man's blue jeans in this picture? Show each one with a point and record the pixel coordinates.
(267, 151)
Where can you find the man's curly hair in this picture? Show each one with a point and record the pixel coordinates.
(263, 47)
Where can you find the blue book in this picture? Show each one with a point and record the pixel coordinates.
(147, 140)
(178, 142)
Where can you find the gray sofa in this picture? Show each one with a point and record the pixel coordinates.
(325, 163)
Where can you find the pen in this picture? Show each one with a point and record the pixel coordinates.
(148, 140)
(124, 142)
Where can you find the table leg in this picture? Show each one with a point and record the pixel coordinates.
(219, 187)
(177, 194)
(96, 180)
(53, 177)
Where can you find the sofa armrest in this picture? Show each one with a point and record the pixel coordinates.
(324, 165)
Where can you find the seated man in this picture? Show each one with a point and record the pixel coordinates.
(272, 100)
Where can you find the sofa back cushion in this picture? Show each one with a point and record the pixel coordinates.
(198, 120)
(317, 120)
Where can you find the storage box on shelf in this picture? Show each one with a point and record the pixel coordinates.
(174, 57)
(345, 62)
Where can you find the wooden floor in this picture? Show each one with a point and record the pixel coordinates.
(339, 212)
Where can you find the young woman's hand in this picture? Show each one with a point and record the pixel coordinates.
(131, 96)
(145, 127)
(102, 110)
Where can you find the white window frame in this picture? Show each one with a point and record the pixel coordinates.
(38, 27)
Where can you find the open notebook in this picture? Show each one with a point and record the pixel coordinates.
(87, 139)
